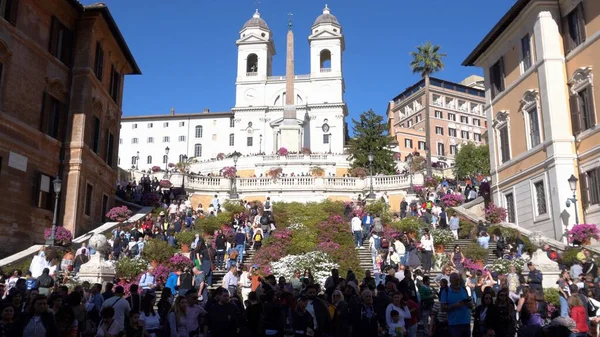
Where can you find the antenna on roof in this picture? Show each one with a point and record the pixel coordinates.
(172, 111)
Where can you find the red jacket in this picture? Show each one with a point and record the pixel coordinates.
(579, 316)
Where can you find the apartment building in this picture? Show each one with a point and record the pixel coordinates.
(456, 112)
(62, 67)
(539, 62)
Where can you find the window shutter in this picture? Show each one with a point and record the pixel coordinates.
(67, 46)
(12, 11)
(54, 27)
(581, 21)
(501, 66)
(585, 190)
(63, 122)
(45, 113)
(575, 114)
(566, 35)
(591, 117)
(99, 62)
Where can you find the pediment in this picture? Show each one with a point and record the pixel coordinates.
(325, 34)
(252, 38)
(279, 121)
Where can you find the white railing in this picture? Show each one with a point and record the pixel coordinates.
(297, 157)
(252, 73)
(282, 78)
(321, 184)
(325, 70)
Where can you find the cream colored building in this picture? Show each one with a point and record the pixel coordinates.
(456, 112)
(539, 62)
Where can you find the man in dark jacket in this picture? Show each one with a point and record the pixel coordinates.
(45, 282)
(320, 312)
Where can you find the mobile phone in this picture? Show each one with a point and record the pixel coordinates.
(467, 300)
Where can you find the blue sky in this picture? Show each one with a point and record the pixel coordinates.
(187, 53)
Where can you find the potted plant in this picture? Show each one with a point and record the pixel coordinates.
(583, 233)
(495, 214)
(164, 183)
(157, 251)
(156, 168)
(184, 239)
(359, 172)
(180, 262)
(317, 171)
(452, 200)
(62, 236)
(221, 156)
(441, 237)
(282, 151)
(476, 253)
(275, 172)
(127, 268)
(228, 172)
(119, 214)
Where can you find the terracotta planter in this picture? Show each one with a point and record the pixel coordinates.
(440, 249)
(185, 248)
(479, 263)
(412, 235)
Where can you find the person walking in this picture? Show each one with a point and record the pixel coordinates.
(357, 230)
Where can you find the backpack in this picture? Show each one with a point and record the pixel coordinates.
(377, 226)
(264, 220)
(591, 308)
(267, 205)
(258, 237)
(501, 243)
(384, 243)
(233, 255)
(253, 211)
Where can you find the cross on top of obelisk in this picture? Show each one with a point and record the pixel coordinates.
(290, 14)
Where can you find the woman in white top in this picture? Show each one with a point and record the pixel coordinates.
(427, 250)
(149, 316)
(399, 305)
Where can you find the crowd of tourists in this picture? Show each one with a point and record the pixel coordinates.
(398, 297)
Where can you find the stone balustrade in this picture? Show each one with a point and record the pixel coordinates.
(263, 184)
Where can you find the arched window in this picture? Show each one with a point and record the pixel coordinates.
(165, 158)
(231, 122)
(133, 160)
(198, 150)
(199, 131)
(252, 63)
(149, 160)
(231, 139)
(325, 59)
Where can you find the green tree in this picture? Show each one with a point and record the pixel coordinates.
(426, 61)
(471, 160)
(371, 135)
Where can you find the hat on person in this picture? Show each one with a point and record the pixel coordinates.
(581, 256)
(161, 213)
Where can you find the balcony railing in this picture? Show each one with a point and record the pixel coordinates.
(314, 184)
(252, 73)
(325, 70)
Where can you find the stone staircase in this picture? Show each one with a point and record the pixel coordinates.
(218, 275)
(366, 262)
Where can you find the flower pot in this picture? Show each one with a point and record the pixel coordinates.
(440, 249)
(185, 248)
(586, 242)
(479, 263)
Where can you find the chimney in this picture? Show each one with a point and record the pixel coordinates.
(206, 110)
(172, 111)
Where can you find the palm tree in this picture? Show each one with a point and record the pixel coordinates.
(426, 61)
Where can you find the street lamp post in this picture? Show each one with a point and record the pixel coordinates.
(371, 193)
(329, 141)
(184, 171)
(410, 174)
(234, 194)
(573, 185)
(137, 160)
(260, 144)
(57, 185)
(166, 162)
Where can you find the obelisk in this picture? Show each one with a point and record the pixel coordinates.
(290, 129)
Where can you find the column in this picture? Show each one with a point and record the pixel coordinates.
(555, 111)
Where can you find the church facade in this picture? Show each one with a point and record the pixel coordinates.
(304, 111)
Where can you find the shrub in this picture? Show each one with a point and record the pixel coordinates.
(319, 263)
(119, 214)
(157, 250)
(233, 207)
(282, 151)
(511, 234)
(583, 233)
(150, 199)
(475, 252)
(156, 169)
(61, 234)
(432, 181)
(129, 268)
(274, 172)
(569, 256)
(185, 237)
(220, 156)
(502, 266)
(419, 189)
(209, 224)
(359, 172)
(171, 165)
(551, 296)
(379, 207)
(467, 229)
(452, 200)
(410, 224)
(317, 171)
(495, 214)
